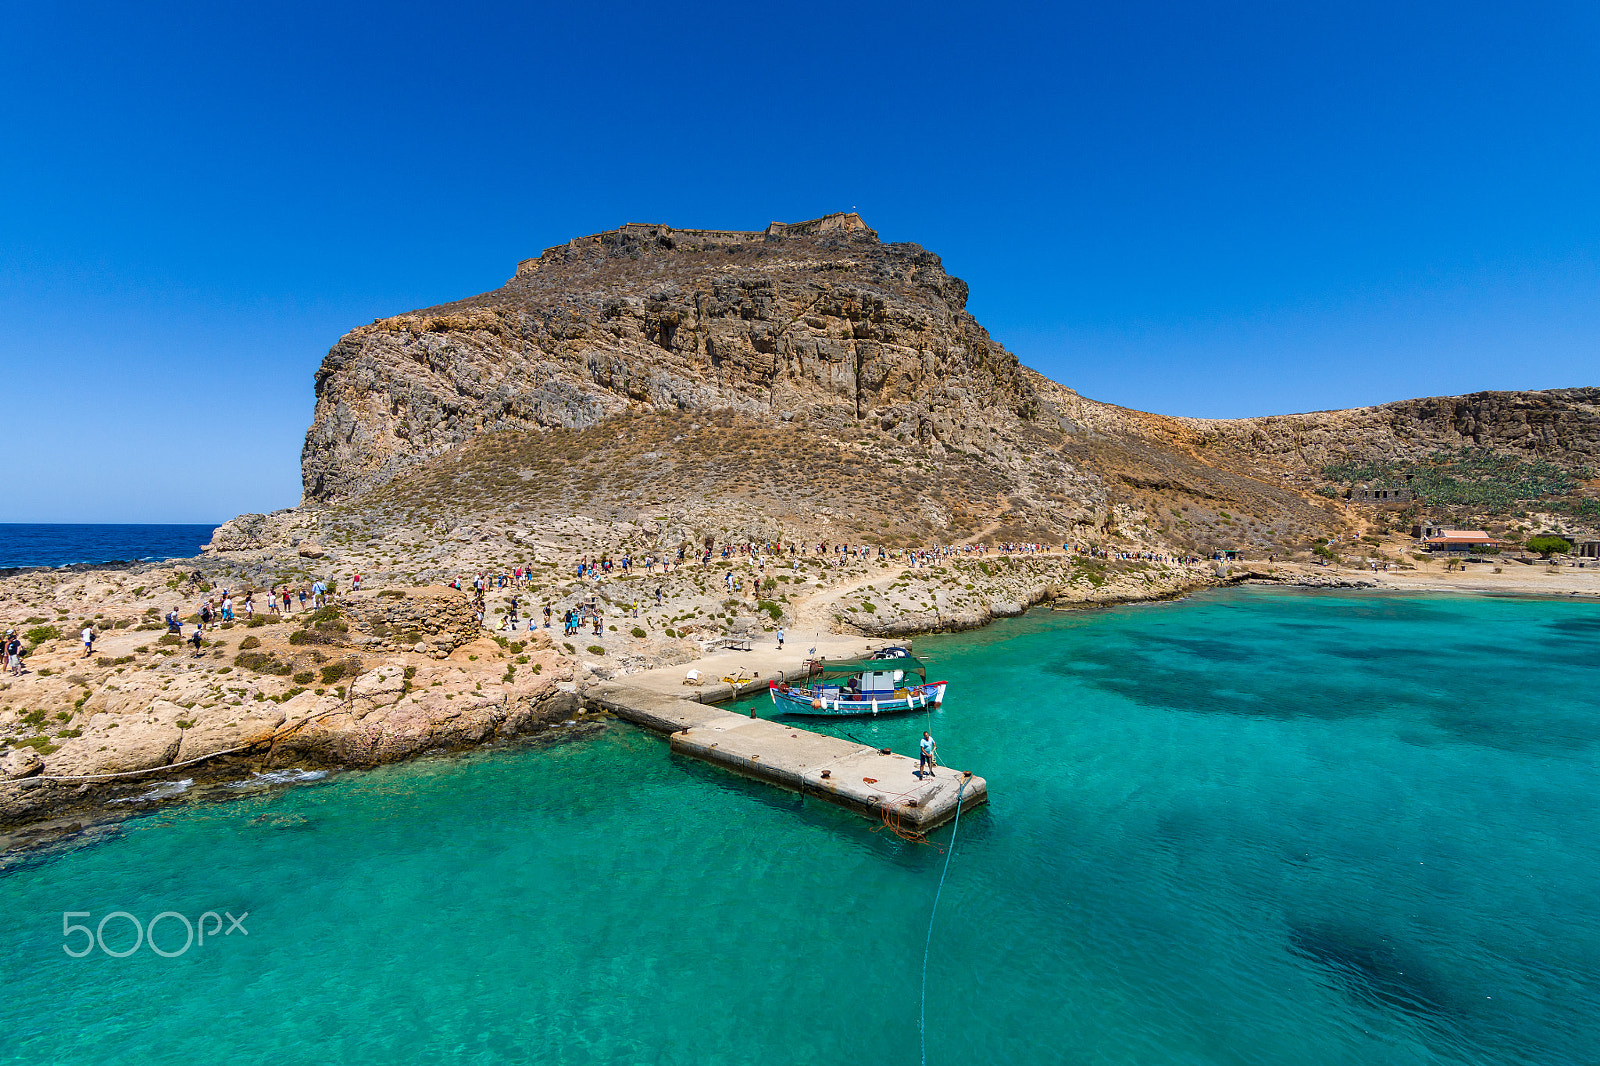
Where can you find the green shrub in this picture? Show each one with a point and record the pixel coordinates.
(249, 642)
(261, 663)
(170, 638)
(1548, 545)
(595, 649)
(39, 634)
(303, 677)
(333, 672)
(638, 632)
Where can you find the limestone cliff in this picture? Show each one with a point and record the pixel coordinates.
(817, 321)
(708, 354)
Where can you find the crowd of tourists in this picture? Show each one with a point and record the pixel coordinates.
(288, 599)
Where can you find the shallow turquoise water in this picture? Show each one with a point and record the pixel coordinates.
(1251, 827)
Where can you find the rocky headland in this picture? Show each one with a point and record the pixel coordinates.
(650, 391)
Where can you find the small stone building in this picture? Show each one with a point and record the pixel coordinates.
(1380, 495)
(1587, 549)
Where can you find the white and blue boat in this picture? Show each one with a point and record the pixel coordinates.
(891, 681)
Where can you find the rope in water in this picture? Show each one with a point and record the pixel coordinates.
(927, 947)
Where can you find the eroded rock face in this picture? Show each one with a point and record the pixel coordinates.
(1561, 424)
(816, 321)
(432, 619)
(20, 762)
(826, 333)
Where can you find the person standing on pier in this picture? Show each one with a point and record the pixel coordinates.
(930, 753)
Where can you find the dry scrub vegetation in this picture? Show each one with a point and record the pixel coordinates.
(852, 483)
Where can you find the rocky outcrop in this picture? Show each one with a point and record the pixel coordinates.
(389, 717)
(280, 530)
(203, 719)
(970, 592)
(434, 620)
(1562, 424)
(710, 350)
(817, 322)
(1558, 424)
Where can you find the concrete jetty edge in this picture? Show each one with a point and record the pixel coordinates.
(875, 784)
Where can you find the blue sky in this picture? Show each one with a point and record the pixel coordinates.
(1222, 210)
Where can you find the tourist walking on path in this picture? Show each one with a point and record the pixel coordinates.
(88, 641)
(195, 639)
(780, 638)
(13, 653)
(930, 754)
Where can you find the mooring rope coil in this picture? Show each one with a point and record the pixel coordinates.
(927, 947)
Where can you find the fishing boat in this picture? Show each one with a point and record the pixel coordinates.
(892, 680)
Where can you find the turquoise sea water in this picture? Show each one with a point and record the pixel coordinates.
(1247, 827)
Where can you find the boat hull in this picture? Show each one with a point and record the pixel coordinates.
(792, 699)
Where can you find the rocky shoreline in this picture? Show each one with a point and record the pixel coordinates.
(393, 673)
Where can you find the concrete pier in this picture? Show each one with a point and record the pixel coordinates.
(841, 772)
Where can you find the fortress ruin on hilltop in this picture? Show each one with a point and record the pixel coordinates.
(843, 223)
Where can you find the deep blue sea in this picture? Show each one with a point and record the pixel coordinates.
(1250, 827)
(48, 544)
